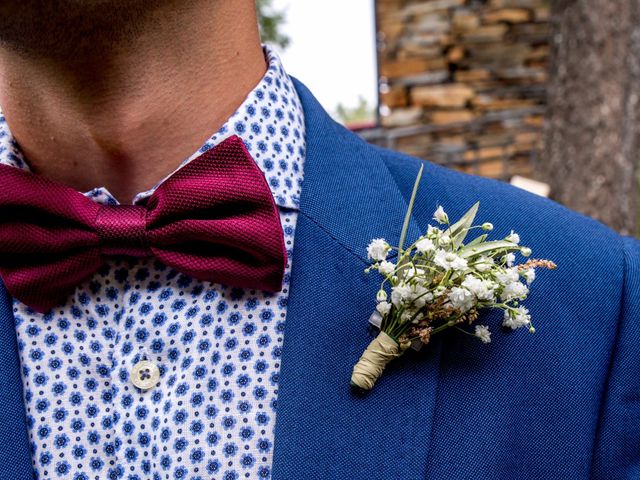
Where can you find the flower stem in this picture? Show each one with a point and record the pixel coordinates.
(407, 218)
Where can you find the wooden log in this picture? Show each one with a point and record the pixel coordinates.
(445, 117)
(401, 117)
(488, 102)
(432, 23)
(394, 97)
(466, 76)
(531, 33)
(485, 34)
(542, 13)
(465, 21)
(452, 95)
(509, 15)
(487, 153)
(421, 8)
(498, 55)
(516, 3)
(428, 78)
(410, 66)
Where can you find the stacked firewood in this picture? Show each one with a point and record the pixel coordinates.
(462, 82)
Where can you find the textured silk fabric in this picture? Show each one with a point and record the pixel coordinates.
(218, 348)
(214, 220)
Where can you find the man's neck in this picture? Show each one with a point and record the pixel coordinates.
(125, 115)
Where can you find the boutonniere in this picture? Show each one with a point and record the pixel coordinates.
(439, 282)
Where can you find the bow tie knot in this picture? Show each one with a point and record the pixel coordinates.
(122, 230)
(214, 219)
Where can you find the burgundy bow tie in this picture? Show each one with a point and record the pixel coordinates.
(214, 219)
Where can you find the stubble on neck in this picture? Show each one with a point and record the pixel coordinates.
(119, 99)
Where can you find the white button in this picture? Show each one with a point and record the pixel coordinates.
(145, 374)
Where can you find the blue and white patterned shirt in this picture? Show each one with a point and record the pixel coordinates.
(212, 411)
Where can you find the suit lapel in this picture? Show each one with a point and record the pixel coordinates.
(15, 452)
(323, 429)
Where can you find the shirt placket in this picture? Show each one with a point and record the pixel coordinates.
(141, 365)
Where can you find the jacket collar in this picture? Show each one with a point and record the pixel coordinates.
(346, 178)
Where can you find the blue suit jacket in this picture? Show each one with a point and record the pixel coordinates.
(563, 403)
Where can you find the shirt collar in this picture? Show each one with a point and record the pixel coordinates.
(270, 121)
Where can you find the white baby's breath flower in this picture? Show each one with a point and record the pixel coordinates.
(440, 215)
(514, 290)
(449, 260)
(525, 251)
(509, 258)
(529, 275)
(425, 245)
(472, 283)
(440, 258)
(411, 272)
(400, 294)
(383, 308)
(381, 296)
(484, 264)
(508, 276)
(406, 315)
(487, 226)
(483, 333)
(482, 289)
(516, 319)
(420, 296)
(445, 239)
(461, 298)
(433, 232)
(378, 249)
(459, 263)
(386, 268)
(513, 237)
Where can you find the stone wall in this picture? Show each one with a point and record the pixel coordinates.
(462, 82)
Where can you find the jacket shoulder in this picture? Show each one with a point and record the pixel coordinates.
(505, 203)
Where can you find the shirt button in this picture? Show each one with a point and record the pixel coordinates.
(145, 374)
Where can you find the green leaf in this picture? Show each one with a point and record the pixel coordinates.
(486, 247)
(478, 240)
(407, 217)
(458, 231)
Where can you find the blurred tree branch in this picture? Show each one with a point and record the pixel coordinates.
(270, 21)
(360, 113)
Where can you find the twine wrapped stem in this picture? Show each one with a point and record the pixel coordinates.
(373, 361)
